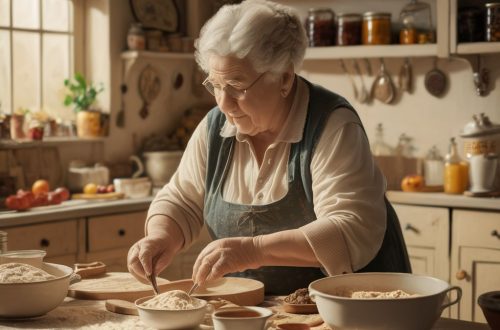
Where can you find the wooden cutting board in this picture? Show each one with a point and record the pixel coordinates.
(109, 196)
(113, 285)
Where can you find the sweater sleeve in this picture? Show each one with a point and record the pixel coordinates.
(348, 195)
(181, 199)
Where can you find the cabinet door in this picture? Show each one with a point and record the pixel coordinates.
(57, 238)
(475, 260)
(426, 234)
(115, 231)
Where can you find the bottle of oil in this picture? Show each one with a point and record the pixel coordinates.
(456, 171)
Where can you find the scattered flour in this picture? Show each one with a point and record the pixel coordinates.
(172, 300)
(22, 273)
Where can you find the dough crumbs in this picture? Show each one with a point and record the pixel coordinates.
(22, 273)
(172, 300)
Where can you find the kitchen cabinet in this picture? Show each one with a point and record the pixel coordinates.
(475, 259)
(426, 234)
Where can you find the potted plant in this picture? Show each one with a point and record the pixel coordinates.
(82, 96)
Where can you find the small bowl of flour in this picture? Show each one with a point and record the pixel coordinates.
(171, 310)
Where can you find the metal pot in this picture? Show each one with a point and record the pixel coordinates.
(161, 165)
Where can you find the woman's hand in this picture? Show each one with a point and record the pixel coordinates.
(223, 256)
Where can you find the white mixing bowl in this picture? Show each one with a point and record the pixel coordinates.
(19, 300)
(412, 313)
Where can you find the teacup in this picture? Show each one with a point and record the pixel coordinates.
(241, 318)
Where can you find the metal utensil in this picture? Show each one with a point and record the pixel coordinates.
(405, 78)
(353, 84)
(152, 280)
(436, 81)
(383, 87)
(193, 288)
(364, 96)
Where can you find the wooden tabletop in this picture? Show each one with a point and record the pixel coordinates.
(92, 314)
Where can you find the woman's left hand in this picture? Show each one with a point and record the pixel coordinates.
(223, 256)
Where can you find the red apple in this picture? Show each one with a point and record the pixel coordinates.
(64, 192)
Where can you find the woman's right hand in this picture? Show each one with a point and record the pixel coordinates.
(148, 252)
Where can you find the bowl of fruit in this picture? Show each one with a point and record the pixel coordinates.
(40, 194)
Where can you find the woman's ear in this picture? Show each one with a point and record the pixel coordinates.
(287, 80)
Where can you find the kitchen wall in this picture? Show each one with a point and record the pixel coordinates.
(427, 119)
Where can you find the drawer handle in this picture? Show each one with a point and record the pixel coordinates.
(121, 232)
(462, 275)
(412, 228)
(495, 233)
(44, 242)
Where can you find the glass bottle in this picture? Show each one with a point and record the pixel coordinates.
(417, 20)
(456, 171)
(380, 147)
(434, 168)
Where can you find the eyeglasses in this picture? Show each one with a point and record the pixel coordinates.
(235, 93)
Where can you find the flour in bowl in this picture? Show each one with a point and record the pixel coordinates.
(22, 273)
(374, 294)
(172, 300)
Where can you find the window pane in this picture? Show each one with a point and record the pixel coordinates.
(5, 107)
(26, 55)
(55, 15)
(26, 14)
(4, 12)
(55, 70)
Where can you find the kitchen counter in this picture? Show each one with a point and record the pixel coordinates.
(444, 200)
(89, 314)
(73, 209)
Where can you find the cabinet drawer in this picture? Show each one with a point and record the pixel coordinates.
(423, 226)
(115, 231)
(57, 238)
(478, 229)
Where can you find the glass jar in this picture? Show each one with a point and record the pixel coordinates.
(408, 36)
(492, 22)
(349, 29)
(136, 38)
(416, 19)
(320, 27)
(470, 24)
(376, 28)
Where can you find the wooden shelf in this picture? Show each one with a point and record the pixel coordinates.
(362, 51)
(478, 48)
(135, 54)
(48, 141)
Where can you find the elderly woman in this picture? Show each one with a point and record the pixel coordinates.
(280, 171)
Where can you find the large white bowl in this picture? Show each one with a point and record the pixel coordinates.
(171, 319)
(20, 300)
(413, 313)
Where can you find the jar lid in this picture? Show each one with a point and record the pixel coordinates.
(480, 126)
(492, 4)
(373, 14)
(349, 16)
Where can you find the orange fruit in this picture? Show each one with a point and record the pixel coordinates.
(90, 188)
(40, 186)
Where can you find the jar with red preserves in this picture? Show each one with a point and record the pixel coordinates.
(349, 29)
(376, 28)
(320, 27)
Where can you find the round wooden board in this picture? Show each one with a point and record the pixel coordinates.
(113, 285)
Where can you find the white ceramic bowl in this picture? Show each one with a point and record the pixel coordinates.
(241, 318)
(30, 257)
(19, 300)
(171, 319)
(133, 187)
(161, 165)
(413, 313)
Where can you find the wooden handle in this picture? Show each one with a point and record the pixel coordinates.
(90, 269)
(461, 275)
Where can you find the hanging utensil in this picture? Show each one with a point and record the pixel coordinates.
(435, 81)
(405, 79)
(351, 79)
(149, 88)
(368, 66)
(364, 96)
(120, 117)
(481, 78)
(383, 88)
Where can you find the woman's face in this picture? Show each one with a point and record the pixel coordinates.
(261, 109)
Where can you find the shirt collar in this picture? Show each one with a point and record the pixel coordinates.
(294, 124)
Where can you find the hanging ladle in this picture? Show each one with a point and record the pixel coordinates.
(383, 87)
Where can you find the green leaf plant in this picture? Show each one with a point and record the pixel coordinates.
(81, 94)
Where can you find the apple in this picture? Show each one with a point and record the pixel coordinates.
(64, 192)
(101, 189)
(54, 198)
(110, 188)
(413, 182)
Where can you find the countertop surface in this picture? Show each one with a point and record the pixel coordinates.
(89, 314)
(444, 200)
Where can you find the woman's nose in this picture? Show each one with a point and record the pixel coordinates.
(226, 103)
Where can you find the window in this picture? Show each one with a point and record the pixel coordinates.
(37, 43)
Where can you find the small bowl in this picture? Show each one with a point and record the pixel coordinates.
(30, 257)
(241, 318)
(133, 187)
(410, 313)
(490, 305)
(23, 300)
(171, 319)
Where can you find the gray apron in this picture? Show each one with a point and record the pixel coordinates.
(295, 209)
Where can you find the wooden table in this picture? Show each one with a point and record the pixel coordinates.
(91, 314)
